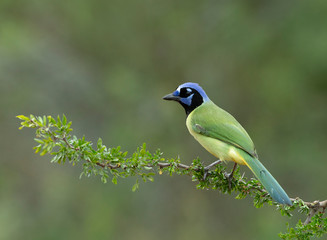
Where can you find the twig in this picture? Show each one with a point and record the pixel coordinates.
(178, 165)
(212, 164)
(313, 206)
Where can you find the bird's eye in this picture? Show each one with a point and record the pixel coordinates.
(185, 92)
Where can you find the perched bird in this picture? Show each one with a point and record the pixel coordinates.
(222, 135)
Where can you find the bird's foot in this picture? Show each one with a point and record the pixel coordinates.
(207, 168)
(229, 177)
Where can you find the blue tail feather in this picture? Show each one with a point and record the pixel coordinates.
(267, 180)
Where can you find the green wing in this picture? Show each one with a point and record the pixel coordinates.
(212, 121)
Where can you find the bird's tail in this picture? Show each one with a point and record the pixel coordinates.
(267, 180)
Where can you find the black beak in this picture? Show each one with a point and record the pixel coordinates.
(171, 97)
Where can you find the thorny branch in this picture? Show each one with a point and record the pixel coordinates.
(313, 206)
(200, 173)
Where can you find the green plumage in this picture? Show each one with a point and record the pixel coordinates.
(221, 134)
(212, 121)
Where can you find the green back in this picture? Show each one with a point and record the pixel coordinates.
(212, 121)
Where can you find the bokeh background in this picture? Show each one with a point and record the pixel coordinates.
(106, 66)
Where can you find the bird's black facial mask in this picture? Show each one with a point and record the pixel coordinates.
(188, 97)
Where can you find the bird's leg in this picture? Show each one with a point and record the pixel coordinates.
(229, 176)
(206, 169)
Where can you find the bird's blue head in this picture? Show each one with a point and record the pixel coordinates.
(189, 95)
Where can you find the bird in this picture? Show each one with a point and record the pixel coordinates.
(223, 136)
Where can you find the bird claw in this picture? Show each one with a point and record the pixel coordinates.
(229, 177)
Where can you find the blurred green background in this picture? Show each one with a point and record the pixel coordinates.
(106, 66)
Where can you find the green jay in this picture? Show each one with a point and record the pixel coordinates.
(223, 136)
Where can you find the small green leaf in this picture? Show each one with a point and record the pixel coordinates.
(114, 180)
(39, 140)
(51, 120)
(44, 120)
(43, 152)
(22, 117)
(37, 148)
(40, 121)
(103, 179)
(147, 168)
(59, 123)
(64, 119)
(151, 179)
(99, 143)
(135, 186)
